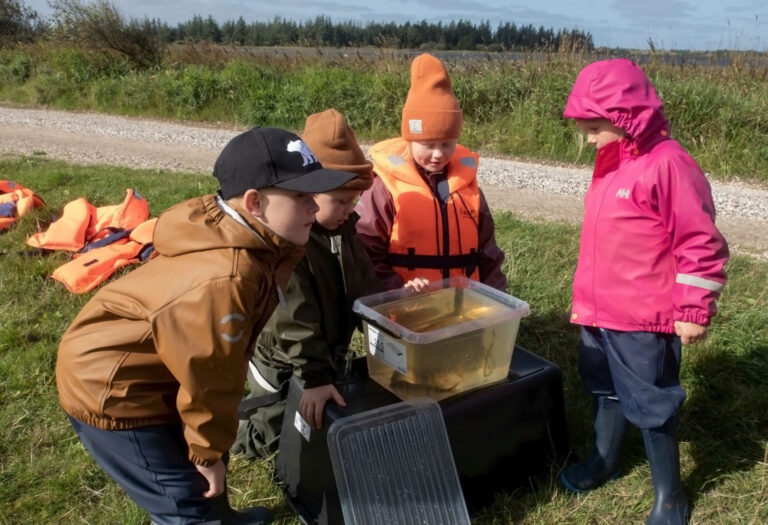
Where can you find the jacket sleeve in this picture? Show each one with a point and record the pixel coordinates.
(367, 282)
(297, 331)
(203, 339)
(491, 256)
(370, 281)
(684, 201)
(377, 212)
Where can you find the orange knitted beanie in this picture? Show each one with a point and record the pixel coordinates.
(431, 110)
(334, 144)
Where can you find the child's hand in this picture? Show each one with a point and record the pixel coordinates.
(690, 332)
(313, 401)
(215, 475)
(417, 284)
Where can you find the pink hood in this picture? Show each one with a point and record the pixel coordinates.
(617, 90)
(650, 253)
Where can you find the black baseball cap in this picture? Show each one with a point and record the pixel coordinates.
(272, 157)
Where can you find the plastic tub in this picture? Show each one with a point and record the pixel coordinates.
(455, 336)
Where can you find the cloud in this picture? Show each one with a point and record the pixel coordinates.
(654, 10)
(750, 7)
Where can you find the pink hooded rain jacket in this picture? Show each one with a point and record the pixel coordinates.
(650, 253)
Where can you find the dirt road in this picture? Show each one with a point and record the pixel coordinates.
(532, 191)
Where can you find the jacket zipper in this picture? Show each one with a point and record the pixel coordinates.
(603, 191)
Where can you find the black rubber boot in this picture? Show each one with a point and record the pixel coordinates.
(663, 451)
(602, 464)
(249, 516)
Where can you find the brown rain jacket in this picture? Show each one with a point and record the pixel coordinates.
(169, 342)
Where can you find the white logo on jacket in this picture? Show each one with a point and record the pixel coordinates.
(298, 146)
(623, 193)
(226, 319)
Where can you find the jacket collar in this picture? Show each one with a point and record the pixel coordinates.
(611, 155)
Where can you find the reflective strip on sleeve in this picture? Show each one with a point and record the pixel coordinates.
(263, 383)
(699, 282)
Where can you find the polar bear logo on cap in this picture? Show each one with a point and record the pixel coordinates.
(306, 154)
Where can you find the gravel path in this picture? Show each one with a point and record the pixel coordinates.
(533, 191)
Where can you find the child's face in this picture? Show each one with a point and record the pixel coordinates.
(599, 131)
(289, 214)
(335, 207)
(433, 155)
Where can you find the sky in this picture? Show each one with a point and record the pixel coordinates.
(669, 24)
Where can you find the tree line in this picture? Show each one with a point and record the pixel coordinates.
(322, 31)
(98, 25)
(21, 23)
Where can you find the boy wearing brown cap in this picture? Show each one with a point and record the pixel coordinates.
(425, 214)
(309, 335)
(152, 369)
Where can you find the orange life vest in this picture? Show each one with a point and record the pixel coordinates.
(15, 201)
(430, 238)
(105, 239)
(88, 269)
(81, 223)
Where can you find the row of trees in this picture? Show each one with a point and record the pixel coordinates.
(99, 25)
(461, 35)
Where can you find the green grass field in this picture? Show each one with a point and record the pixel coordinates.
(47, 477)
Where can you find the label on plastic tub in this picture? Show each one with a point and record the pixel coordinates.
(301, 425)
(387, 349)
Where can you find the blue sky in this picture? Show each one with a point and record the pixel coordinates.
(671, 24)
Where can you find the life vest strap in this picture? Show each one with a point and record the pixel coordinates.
(115, 235)
(8, 209)
(436, 262)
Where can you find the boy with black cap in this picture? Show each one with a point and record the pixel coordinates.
(151, 370)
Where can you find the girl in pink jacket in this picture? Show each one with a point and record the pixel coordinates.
(650, 269)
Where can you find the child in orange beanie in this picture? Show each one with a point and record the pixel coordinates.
(425, 214)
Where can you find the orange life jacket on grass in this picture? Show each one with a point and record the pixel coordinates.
(90, 268)
(81, 223)
(430, 238)
(15, 201)
(106, 238)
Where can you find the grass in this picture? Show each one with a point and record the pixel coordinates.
(47, 477)
(718, 111)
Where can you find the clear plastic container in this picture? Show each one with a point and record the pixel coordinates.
(455, 336)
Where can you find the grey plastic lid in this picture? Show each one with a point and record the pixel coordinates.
(515, 309)
(393, 465)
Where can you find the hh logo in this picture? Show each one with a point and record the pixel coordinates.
(306, 154)
(623, 193)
